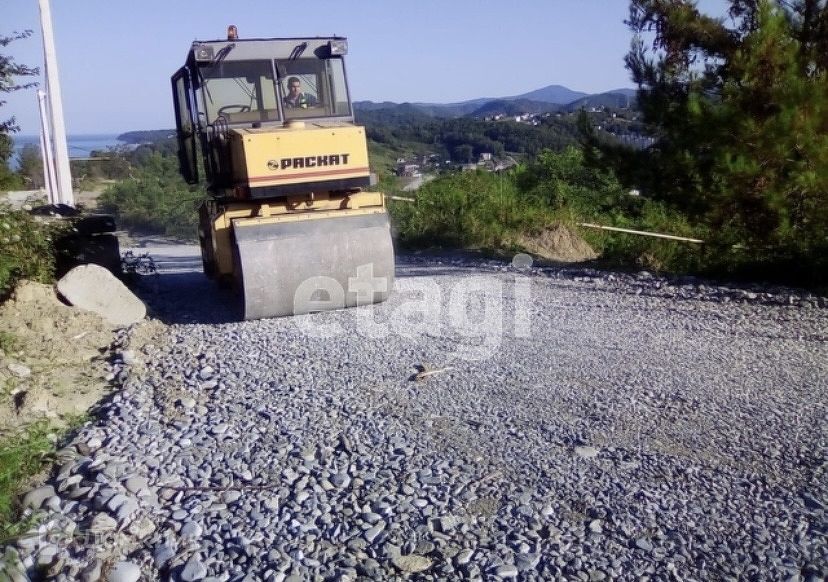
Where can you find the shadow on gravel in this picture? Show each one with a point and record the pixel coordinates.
(179, 292)
(186, 298)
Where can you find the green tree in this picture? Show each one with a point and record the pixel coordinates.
(463, 153)
(30, 166)
(739, 107)
(9, 71)
(154, 198)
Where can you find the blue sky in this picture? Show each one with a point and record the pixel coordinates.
(115, 57)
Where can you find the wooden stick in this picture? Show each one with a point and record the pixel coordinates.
(642, 233)
(426, 373)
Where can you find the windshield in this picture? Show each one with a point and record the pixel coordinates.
(313, 88)
(239, 91)
(245, 91)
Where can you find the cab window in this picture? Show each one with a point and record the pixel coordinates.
(321, 83)
(239, 91)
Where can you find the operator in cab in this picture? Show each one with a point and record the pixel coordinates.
(296, 98)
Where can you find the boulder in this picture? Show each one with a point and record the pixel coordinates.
(93, 288)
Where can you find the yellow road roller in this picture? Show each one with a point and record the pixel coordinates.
(269, 126)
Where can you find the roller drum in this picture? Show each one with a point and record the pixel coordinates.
(303, 266)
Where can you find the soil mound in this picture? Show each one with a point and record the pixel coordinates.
(52, 357)
(559, 244)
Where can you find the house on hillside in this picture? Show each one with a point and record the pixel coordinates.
(407, 170)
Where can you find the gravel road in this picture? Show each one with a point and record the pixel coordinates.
(490, 421)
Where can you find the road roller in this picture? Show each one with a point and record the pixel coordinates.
(268, 126)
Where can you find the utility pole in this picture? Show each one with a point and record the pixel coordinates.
(49, 182)
(62, 173)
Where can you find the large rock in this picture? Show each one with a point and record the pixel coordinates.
(94, 288)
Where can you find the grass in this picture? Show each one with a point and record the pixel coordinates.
(492, 211)
(26, 249)
(23, 455)
(154, 200)
(8, 342)
(468, 210)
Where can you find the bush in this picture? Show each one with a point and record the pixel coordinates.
(26, 249)
(645, 252)
(472, 209)
(483, 210)
(22, 455)
(155, 199)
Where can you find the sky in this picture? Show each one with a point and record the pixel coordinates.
(115, 57)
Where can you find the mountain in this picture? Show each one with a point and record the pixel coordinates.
(146, 136)
(393, 113)
(616, 99)
(549, 98)
(514, 107)
(627, 92)
(551, 94)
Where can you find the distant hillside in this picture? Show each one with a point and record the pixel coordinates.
(611, 99)
(391, 113)
(147, 136)
(550, 98)
(628, 92)
(514, 107)
(371, 106)
(450, 109)
(551, 94)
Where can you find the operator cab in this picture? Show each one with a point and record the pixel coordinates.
(233, 83)
(254, 91)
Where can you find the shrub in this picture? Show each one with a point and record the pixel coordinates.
(26, 249)
(21, 455)
(471, 209)
(155, 199)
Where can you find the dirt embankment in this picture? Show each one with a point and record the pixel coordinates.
(55, 360)
(53, 357)
(558, 244)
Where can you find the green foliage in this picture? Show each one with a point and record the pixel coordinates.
(9, 72)
(484, 210)
(8, 342)
(26, 249)
(30, 166)
(22, 455)
(8, 180)
(741, 116)
(463, 139)
(154, 198)
(470, 209)
(561, 180)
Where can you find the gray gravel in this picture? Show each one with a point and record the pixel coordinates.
(594, 426)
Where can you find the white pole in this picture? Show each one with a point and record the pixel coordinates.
(63, 175)
(46, 150)
(642, 233)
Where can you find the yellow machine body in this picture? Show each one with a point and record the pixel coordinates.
(298, 154)
(288, 222)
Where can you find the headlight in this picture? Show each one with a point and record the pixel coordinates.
(338, 47)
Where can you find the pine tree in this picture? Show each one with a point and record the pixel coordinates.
(739, 106)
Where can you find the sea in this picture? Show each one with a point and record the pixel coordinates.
(80, 146)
